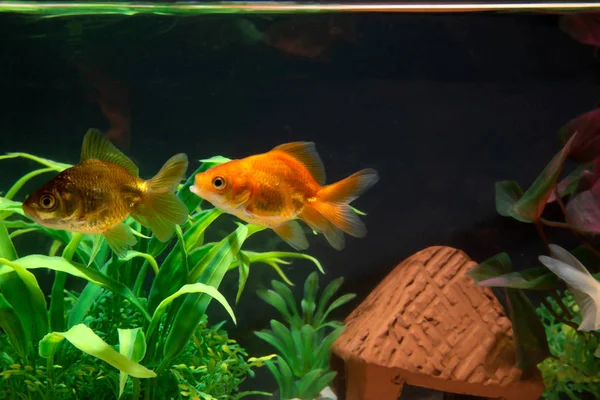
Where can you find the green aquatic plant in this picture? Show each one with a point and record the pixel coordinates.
(552, 337)
(303, 342)
(115, 338)
(572, 371)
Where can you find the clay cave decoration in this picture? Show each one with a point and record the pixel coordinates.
(426, 324)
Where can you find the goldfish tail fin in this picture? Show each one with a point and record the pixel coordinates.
(332, 205)
(119, 238)
(162, 208)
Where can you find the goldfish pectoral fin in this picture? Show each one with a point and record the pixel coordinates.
(162, 228)
(306, 154)
(319, 223)
(169, 176)
(119, 238)
(291, 232)
(98, 146)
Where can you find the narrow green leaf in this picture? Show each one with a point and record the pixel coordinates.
(23, 180)
(194, 234)
(273, 298)
(311, 285)
(326, 295)
(7, 249)
(12, 325)
(306, 387)
(284, 336)
(276, 342)
(87, 341)
(322, 352)
(286, 293)
(340, 301)
(187, 289)
(132, 344)
(57, 166)
(132, 253)
(244, 270)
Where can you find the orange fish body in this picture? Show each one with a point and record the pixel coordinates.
(274, 188)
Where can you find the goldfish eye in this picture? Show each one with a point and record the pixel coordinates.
(219, 182)
(47, 201)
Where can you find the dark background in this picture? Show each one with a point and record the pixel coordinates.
(443, 106)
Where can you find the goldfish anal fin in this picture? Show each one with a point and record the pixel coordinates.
(319, 223)
(291, 232)
(119, 238)
(98, 146)
(306, 154)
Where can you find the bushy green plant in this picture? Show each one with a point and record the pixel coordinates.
(302, 366)
(572, 370)
(124, 340)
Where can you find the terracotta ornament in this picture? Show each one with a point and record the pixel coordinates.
(427, 324)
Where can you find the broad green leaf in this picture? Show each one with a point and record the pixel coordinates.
(28, 300)
(187, 289)
(87, 341)
(508, 194)
(13, 327)
(132, 344)
(493, 267)
(529, 207)
(172, 274)
(277, 343)
(60, 264)
(530, 336)
(284, 337)
(535, 278)
(7, 249)
(210, 272)
(89, 295)
(322, 353)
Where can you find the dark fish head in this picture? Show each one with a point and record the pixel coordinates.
(54, 204)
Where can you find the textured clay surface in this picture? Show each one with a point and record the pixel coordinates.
(426, 324)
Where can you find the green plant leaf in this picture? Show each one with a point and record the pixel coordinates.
(132, 253)
(132, 344)
(273, 298)
(210, 272)
(493, 267)
(283, 376)
(244, 269)
(534, 278)
(7, 249)
(87, 341)
(276, 342)
(284, 337)
(24, 179)
(187, 289)
(13, 327)
(311, 285)
(195, 233)
(340, 301)
(57, 166)
(286, 294)
(530, 336)
(306, 387)
(322, 352)
(326, 295)
(529, 206)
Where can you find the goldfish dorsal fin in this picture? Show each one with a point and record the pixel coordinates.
(306, 153)
(97, 146)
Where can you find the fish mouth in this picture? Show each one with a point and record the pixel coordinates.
(194, 190)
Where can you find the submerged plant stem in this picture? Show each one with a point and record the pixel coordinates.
(542, 234)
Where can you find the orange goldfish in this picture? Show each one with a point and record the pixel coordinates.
(98, 194)
(274, 188)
